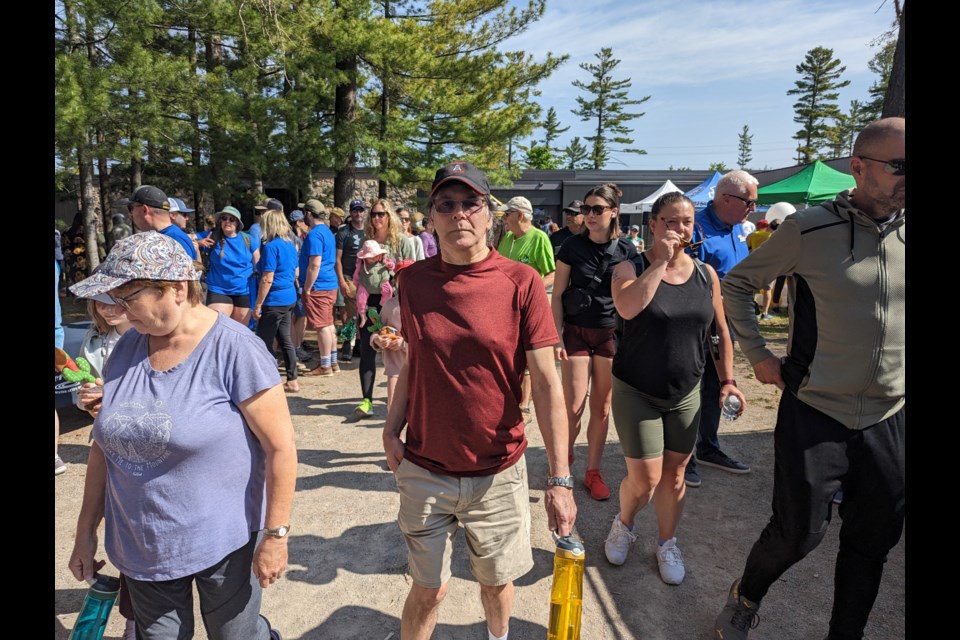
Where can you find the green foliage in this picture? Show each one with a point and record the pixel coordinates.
(744, 147)
(882, 65)
(221, 97)
(551, 129)
(606, 103)
(817, 102)
(541, 157)
(847, 126)
(719, 166)
(576, 155)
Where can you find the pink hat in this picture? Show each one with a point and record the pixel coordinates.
(370, 249)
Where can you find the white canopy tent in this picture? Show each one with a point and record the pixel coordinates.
(645, 205)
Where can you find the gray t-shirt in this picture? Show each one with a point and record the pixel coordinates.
(185, 475)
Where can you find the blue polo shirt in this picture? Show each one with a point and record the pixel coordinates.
(724, 246)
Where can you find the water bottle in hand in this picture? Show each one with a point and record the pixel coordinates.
(731, 407)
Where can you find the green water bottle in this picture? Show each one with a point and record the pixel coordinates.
(92, 620)
(566, 596)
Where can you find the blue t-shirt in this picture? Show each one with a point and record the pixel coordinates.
(320, 242)
(254, 233)
(227, 274)
(185, 474)
(175, 232)
(724, 245)
(280, 257)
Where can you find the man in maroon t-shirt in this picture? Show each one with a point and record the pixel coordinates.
(473, 321)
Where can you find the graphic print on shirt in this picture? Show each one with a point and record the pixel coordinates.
(136, 436)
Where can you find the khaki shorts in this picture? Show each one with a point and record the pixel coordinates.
(319, 308)
(493, 510)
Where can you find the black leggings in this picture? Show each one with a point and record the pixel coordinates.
(814, 455)
(275, 323)
(368, 357)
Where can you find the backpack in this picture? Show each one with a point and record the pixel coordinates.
(714, 339)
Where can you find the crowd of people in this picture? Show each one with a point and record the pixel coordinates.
(192, 429)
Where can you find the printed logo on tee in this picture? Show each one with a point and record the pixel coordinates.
(136, 436)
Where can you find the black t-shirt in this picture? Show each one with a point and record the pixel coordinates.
(557, 239)
(583, 257)
(349, 241)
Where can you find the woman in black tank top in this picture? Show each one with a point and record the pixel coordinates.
(668, 302)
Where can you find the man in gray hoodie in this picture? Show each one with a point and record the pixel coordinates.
(841, 421)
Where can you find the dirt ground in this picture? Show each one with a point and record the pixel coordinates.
(347, 576)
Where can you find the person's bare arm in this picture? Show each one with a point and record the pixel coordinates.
(268, 416)
(725, 364)
(313, 270)
(560, 284)
(552, 419)
(396, 419)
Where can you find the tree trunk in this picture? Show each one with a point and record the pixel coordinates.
(344, 120)
(196, 141)
(85, 164)
(105, 198)
(894, 102)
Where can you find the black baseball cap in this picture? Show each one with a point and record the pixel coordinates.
(574, 206)
(272, 203)
(150, 196)
(461, 172)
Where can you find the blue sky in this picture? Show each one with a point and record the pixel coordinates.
(709, 67)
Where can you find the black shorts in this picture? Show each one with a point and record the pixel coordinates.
(242, 301)
(582, 341)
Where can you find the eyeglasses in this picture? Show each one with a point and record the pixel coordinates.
(133, 205)
(894, 167)
(125, 300)
(596, 209)
(405, 218)
(378, 214)
(469, 206)
(749, 203)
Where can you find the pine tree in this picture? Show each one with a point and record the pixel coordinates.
(817, 90)
(745, 147)
(551, 128)
(576, 154)
(539, 156)
(848, 125)
(606, 106)
(881, 64)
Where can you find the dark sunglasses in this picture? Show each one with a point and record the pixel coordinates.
(378, 214)
(468, 206)
(894, 167)
(228, 218)
(688, 244)
(596, 209)
(749, 203)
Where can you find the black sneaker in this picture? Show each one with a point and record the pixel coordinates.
(691, 478)
(739, 615)
(345, 356)
(720, 460)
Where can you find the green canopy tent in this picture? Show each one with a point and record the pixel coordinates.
(812, 185)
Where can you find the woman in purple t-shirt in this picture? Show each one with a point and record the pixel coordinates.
(192, 430)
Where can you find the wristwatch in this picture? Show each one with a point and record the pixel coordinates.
(560, 481)
(279, 532)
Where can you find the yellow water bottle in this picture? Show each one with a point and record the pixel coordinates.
(566, 597)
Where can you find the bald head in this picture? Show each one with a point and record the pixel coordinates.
(876, 133)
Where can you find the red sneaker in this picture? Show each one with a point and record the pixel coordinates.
(595, 483)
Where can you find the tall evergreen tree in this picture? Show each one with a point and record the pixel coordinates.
(817, 103)
(608, 99)
(848, 125)
(744, 147)
(576, 155)
(882, 65)
(551, 128)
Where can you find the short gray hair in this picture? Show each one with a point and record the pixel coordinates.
(740, 180)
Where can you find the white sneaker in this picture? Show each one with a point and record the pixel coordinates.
(671, 562)
(618, 542)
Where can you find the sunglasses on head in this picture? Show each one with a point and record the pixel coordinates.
(896, 166)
